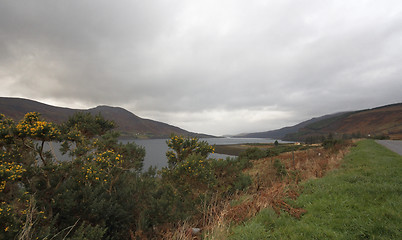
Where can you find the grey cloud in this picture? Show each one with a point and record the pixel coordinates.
(220, 59)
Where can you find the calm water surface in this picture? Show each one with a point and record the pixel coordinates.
(156, 148)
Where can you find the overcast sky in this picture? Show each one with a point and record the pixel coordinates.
(216, 67)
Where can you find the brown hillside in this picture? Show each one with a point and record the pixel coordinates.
(128, 123)
(381, 121)
(16, 108)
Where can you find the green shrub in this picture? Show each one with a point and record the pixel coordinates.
(101, 187)
(167, 205)
(193, 174)
(180, 148)
(272, 152)
(102, 193)
(88, 232)
(243, 163)
(280, 168)
(229, 175)
(242, 182)
(275, 151)
(253, 153)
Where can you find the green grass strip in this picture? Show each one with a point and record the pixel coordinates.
(361, 200)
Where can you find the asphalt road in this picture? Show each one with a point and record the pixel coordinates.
(394, 145)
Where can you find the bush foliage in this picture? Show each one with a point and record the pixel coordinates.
(103, 192)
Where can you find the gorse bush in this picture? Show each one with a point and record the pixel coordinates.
(181, 148)
(230, 176)
(98, 192)
(196, 179)
(102, 193)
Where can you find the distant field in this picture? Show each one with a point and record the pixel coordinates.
(361, 200)
(233, 149)
(237, 149)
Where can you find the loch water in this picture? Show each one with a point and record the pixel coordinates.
(156, 148)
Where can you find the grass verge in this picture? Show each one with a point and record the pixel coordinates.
(361, 200)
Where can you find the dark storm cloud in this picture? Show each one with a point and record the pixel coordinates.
(201, 64)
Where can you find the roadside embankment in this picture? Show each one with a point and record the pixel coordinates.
(361, 200)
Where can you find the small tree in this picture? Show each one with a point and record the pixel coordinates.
(181, 148)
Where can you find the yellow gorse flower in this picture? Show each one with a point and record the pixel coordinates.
(99, 166)
(9, 171)
(31, 126)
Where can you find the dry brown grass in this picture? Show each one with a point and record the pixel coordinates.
(267, 190)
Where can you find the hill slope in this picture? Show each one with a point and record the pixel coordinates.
(128, 123)
(282, 132)
(385, 120)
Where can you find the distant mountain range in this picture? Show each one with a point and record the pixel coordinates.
(282, 132)
(130, 125)
(380, 121)
(385, 120)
